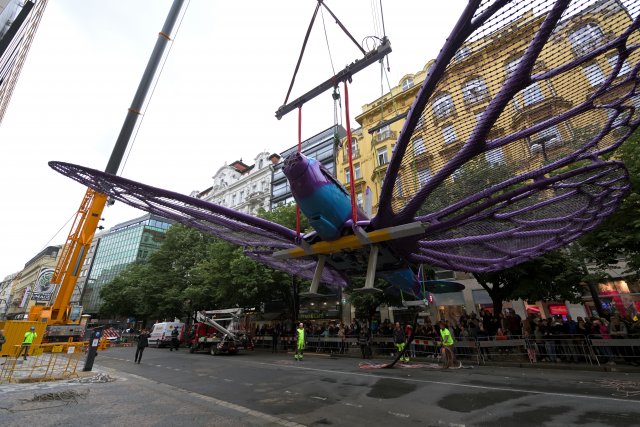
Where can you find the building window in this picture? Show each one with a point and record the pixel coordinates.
(474, 90)
(449, 134)
(586, 38)
(359, 200)
(546, 138)
(407, 83)
(624, 68)
(384, 133)
(462, 53)
(281, 188)
(532, 94)
(424, 175)
(418, 147)
(398, 189)
(495, 156)
(357, 174)
(511, 66)
(443, 105)
(594, 74)
(382, 156)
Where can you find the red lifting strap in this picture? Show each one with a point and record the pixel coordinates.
(352, 186)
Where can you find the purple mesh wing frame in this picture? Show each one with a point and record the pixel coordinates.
(529, 228)
(259, 237)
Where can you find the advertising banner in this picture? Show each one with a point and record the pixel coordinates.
(43, 288)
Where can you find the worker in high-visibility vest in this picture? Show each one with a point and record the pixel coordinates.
(29, 336)
(448, 355)
(300, 343)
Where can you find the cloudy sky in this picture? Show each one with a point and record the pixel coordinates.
(227, 72)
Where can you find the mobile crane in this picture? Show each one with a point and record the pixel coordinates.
(208, 334)
(62, 321)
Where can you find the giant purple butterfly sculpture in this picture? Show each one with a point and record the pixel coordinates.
(502, 156)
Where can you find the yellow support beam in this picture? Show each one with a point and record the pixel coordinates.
(353, 241)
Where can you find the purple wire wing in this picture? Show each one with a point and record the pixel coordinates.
(259, 237)
(501, 154)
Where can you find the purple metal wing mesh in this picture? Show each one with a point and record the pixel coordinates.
(522, 93)
(259, 237)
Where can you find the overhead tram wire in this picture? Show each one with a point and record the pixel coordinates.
(153, 89)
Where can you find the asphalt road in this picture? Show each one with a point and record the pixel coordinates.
(261, 388)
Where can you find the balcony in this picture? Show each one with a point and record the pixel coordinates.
(540, 110)
(383, 136)
(345, 156)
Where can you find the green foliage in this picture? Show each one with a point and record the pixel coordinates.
(366, 303)
(195, 271)
(619, 235)
(554, 276)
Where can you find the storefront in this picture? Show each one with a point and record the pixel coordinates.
(618, 297)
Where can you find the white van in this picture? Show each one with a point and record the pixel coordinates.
(161, 333)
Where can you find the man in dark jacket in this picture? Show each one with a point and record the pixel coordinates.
(143, 342)
(175, 339)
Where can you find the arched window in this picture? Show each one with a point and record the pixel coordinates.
(474, 90)
(462, 53)
(443, 105)
(586, 38)
(407, 83)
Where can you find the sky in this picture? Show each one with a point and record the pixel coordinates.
(226, 73)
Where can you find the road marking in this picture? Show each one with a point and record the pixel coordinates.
(353, 404)
(318, 397)
(397, 414)
(480, 387)
(228, 405)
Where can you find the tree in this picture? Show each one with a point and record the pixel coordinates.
(619, 235)
(551, 277)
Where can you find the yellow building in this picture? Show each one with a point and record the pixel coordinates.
(472, 81)
(32, 286)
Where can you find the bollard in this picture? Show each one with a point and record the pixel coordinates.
(93, 349)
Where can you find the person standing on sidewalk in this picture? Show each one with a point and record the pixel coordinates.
(143, 342)
(175, 339)
(300, 345)
(29, 336)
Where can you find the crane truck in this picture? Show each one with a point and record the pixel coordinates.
(209, 334)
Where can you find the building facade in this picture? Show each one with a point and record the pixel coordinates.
(471, 81)
(19, 21)
(322, 147)
(6, 286)
(125, 243)
(245, 188)
(33, 284)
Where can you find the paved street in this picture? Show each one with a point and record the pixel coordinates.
(260, 388)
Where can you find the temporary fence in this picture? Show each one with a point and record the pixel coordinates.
(551, 348)
(45, 362)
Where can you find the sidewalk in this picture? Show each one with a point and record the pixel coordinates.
(110, 398)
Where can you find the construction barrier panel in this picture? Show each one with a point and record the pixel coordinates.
(46, 362)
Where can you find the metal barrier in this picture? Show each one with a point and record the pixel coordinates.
(516, 349)
(46, 362)
(624, 350)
